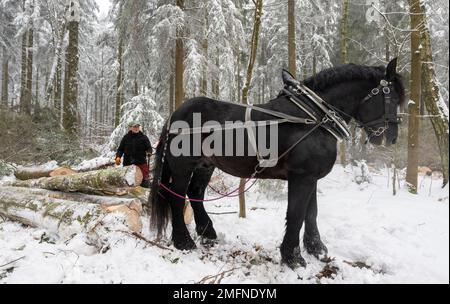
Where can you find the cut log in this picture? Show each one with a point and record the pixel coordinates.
(188, 213)
(23, 173)
(68, 214)
(62, 171)
(113, 181)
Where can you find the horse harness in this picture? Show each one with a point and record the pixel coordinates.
(321, 114)
(388, 116)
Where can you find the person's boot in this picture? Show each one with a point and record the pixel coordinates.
(145, 183)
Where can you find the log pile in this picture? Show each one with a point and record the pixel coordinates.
(69, 203)
(112, 181)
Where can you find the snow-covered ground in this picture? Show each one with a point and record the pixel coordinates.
(372, 237)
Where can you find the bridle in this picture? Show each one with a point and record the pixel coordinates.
(388, 117)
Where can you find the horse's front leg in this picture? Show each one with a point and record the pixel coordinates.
(300, 189)
(311, 238)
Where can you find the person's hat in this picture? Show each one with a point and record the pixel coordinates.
(134, 124)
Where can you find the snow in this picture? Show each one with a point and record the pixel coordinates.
(401, 239)
(52, 165)
(130, 177)
(93, 163)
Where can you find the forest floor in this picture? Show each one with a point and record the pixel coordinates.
(372, 237)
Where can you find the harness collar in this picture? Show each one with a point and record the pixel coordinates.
(320, 110)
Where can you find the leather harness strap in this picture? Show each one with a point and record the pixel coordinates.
(250, 132)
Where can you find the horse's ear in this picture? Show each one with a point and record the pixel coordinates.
(391, 69)
(288, 78)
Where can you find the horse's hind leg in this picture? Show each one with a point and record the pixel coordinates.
(180, 234)
(196, 191)
(311, 238)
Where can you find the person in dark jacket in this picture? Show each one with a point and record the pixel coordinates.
(135, 147)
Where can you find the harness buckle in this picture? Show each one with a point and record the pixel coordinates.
(375, 91)
(386, 90)
(384, 83)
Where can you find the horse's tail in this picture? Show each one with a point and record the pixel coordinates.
(161, 174)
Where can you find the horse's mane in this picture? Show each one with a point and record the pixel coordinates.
(349, 72)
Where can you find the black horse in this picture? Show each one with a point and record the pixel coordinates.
(353, 90)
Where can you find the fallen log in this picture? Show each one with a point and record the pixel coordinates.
(68, 214)
(51, 169)
(24, 173)
(27, 173)
(44, 170)
(112, 181)
(62, 171)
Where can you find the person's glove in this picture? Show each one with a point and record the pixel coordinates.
(118, 161)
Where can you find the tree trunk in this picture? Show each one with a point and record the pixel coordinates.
(179, 63)
(114, 181)
(171, 94)
(416, 72)
(434, 104)
(23, 74)
(56, 65)
(36, 95)
(251, 64)
(70, 114)
(205, 76)
(29, 84)
(119, 83)
(95, 116)
(304, 54)
(216, 85)
(69, 214)
(344, 60)
(344, 32)
(238, 73)
(57, 87)
(291, 38)
(5, 78)
(102, 74)
(136, 87)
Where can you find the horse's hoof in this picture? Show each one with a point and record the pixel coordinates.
(294, 260)
(315, 247)
(208, 243)
(184, 243)
(206, 232)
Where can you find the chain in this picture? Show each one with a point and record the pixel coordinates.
(378, 132)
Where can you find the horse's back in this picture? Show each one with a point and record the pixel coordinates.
(209, 109)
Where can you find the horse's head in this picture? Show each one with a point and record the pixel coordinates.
(378, 111)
